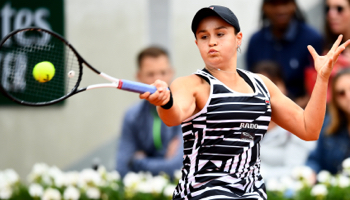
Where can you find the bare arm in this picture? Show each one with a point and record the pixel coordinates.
(306, 124)
(184, 101)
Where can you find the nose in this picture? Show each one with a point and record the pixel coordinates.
(212, 42)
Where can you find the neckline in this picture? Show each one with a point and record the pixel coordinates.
(245, 77)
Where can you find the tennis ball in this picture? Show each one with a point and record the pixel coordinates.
(44, 71)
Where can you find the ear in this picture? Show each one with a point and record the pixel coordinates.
(239, 37)
(196, 42)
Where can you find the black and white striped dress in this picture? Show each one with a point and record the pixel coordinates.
(222, 143)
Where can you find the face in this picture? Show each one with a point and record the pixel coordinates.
(342, 92)
(338, 16)
(217, 42)
(152, 69)
(280, 13)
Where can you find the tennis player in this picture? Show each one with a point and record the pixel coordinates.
(225, 111)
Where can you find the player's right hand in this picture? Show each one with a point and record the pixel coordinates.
(160, 97)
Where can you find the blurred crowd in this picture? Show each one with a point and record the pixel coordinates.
(278, 50)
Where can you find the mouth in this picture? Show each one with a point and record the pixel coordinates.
(212, 51)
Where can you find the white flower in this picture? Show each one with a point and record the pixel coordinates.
(113, 176)
(158, 183)
(178, 174)
(39, 170)
(274, 185)
(343, 181)
(324, 176)
(144, 187)
(145, 175)
(169, 190)
(11, 176)
(3, 180)
(35, 190)
(5, 192)
(102, 170)
(89, 177)
(286, 182)
(319, 190)
(298, 185)
(51, 194)
(93, 193)
(303, 173)
(131, 179)
(71, 193)
(71, 178)
(346, 165)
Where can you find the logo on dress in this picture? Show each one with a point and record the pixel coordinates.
(268, 105)
(247, 136)
(249, 125)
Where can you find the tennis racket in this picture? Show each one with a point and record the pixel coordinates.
(23, 49)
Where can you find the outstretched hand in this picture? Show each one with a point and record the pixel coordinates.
(160, 97)
(324, 64)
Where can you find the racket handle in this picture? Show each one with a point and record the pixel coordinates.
(138, 87)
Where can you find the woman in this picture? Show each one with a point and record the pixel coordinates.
(333, 146)
(337, 22)
(225, 111)
(283, 37)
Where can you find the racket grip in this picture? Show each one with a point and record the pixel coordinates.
(138, 87)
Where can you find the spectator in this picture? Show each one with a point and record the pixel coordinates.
(333, 145)
(337, 22)
(283, 38)
(146, 143)
(281, 150)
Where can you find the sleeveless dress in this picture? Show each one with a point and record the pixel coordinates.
(222, 143)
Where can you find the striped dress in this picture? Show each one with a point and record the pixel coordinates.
(222, 143)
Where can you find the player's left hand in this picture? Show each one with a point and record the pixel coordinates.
(324, 64)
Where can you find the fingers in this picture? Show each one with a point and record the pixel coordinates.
(160, 97)
(340, 49)
(336, 43)
(313, 52)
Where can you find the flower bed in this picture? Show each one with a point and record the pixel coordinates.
(50, 183)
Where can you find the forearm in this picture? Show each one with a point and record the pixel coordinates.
(171, 116)
(316, 108)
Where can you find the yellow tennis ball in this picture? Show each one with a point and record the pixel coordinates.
(44, 71)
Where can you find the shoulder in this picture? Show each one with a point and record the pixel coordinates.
(187, 82)
(271, 87)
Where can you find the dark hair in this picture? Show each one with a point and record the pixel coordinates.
(152, 51)
(338, 117)
(298, 15)
(330, 37)
(271, 68)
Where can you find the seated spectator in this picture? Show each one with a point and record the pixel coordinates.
(284, 37)
(280, 151)
(146, 143)
(337, 21)
(333, 146)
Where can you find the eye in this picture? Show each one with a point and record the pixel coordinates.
(203, 37)
(150, 74)
(220, 34)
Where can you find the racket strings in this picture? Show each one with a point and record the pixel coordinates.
(22, 52)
